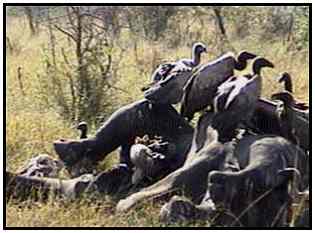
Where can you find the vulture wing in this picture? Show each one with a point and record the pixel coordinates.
(169, 90)
(202, 86)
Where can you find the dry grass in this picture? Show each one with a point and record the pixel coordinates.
(31, 126)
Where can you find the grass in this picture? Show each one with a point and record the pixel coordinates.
(33, 122)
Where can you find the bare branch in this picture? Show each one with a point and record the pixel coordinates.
(66, 33)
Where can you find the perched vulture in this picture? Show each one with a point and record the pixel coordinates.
(202, 86)
(169, 79)
(82, 126)
(236, 98)
(288, 86)
(165, 69)
(286, 79)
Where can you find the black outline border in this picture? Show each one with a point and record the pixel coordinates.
(153, 4)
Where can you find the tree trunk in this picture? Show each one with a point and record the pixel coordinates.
(217, 12)
(30, 18)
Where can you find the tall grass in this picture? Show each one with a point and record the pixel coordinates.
(33, 122)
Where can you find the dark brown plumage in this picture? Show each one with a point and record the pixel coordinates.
(165, 69)
(288, 86)
(199, 91)
(236, 99)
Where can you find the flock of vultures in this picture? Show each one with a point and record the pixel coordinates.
(244, 164)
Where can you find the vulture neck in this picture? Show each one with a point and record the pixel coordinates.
(288, 84)
(195, 58)
(256, 69)
(83, 133)
(240, 64)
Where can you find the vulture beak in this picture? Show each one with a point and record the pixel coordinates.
(263, 62)
(143, 89)
(241, 60)
(259, 63)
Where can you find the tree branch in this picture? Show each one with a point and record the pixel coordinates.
(66, 33)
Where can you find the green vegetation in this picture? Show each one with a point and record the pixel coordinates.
(49, 89)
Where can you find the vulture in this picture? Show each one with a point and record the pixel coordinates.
(236, 98)
(202, 85)
(82, 126)
(165, 69)
(288, 86)
(286, 79)
(169, 79)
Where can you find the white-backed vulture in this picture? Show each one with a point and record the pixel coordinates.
(202, 85)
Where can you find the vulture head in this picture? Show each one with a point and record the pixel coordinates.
(259, 63)
(241, 59)
(199, 48)
(286, 79)
(82, 126)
